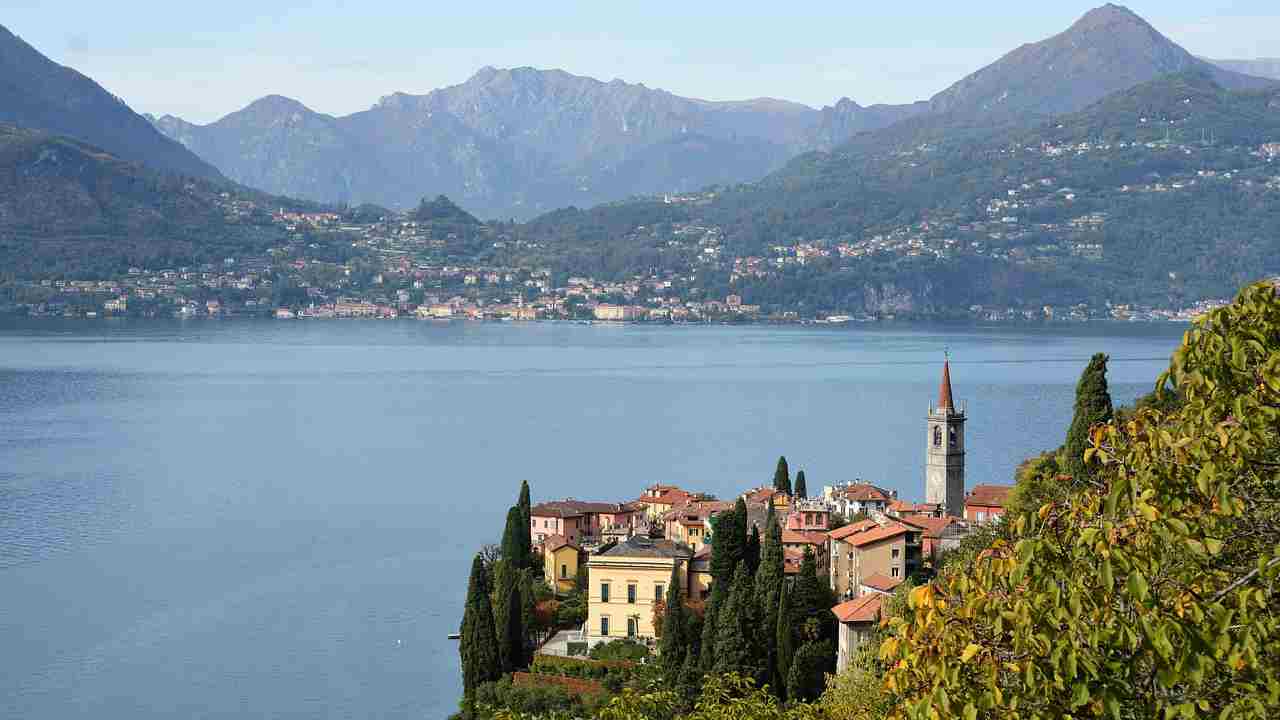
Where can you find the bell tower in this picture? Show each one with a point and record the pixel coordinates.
(944, 457)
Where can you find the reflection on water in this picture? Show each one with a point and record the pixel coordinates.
(275, 519)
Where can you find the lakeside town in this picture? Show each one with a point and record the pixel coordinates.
(864, 541)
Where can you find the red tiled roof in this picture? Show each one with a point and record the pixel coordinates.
(801, 537)
(932, 526)
(847, 530)
(869, 535)
(791, 560)
(993, 495)
(881, 582)
(944, 390)
(555, 542)
(862, 492)
(865, 609)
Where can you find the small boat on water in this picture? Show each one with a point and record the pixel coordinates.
(455, 636)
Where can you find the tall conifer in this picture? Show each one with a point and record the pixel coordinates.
(1093, 406)
(751, 551)
(526, 509)
(785, 646)
(770, 577)
(478, 644)
(735, 624)
(511, 627)
(673, 646)
(515, 539)
(782, 476)
(802, 491)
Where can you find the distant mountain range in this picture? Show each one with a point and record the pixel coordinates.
(1262, 67)
(36, 92)
(517, 142)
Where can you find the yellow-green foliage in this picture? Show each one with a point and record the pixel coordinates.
(1153, 595)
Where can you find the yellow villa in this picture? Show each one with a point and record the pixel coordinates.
(560, 563)
(625, 582)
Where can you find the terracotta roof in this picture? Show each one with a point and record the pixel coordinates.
(932, 526)
(944, 390)
(865, 609)
(994, 495)
(555, 542)
(791, 561)
(863, 492)
(868, 535)
(909, 508)
(883, 583)
(760, 495)
(800, 537)
(852, 528)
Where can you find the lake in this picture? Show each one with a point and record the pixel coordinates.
(276, 519)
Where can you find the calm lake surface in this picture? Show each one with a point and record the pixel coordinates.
(272, 519)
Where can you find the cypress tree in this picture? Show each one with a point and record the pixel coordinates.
(525, 511)
(1093, 406)
(511, 638)
(770, 577)
(728, 543)
(673, 646)
(707, 645)
(782, 476)
(785, 645)
(751, 551)
(515, 540)
(811, 598)
(734, 649)
(528, 615)
(808, 671)
(802, 491)
(478, 644)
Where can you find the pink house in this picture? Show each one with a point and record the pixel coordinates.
(577, 520)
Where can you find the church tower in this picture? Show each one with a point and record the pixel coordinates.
(944, 459)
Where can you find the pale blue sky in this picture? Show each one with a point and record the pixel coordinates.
(201, 60)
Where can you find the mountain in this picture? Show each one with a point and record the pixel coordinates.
(69, 207)
(1107, 50)
(516, 142)
(1262, 67)
(36, 92)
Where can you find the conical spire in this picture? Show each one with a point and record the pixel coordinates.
(944, 390)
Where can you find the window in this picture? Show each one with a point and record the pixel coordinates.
(952, 435)
(894, 572)
(937, 436)
(604, 594)
(631, 593)
(896, 552)
(604, 625)
(564, 571)
(633, 628)
(657, 591)
(982, 515)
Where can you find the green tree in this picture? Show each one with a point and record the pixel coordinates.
(1093, 407)
(802, 490)
(526, 509)
(811, 601)
(735, 650)
(782, 476)
(751, 551)
(807, 676)
(1153, 591)
(515, 539)
(785, 645)
(673, 645)
(770, 577)
(511, 640)
(478, 644)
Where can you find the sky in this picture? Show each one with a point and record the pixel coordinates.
(201, 61)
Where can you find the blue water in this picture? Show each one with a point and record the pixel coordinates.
(274, 519)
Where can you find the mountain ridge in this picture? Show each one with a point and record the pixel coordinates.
(36, 92)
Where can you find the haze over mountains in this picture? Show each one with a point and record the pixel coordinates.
(36, 92)
(518, 142)
(1262, 67)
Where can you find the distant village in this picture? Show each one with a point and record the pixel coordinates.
(864, 538)
(335, 266)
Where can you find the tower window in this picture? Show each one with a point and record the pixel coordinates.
(937, 436)
(952, 435)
